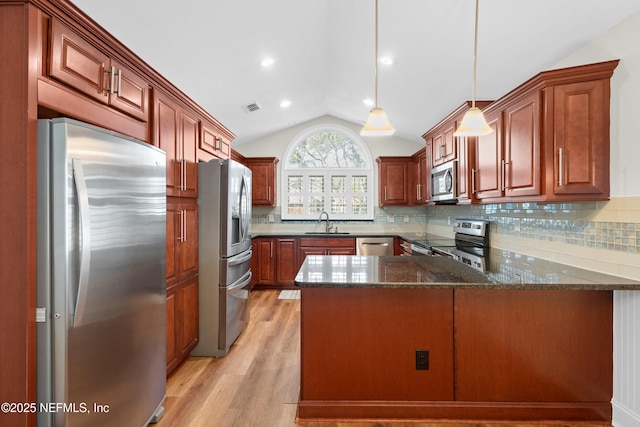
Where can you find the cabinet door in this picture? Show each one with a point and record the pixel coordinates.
(213, 142)
(130, 92)
(172, 355)
(287, 266)
(266, 271)
(189, 141)
(341, 251)
(172, 251)
(165, 130)
(77, 63)
(393, 182)
(464, 175)
(581, 139)
(262, 183)
(420, 178)
(486, 175)
(189, 239)
(188, 316)
(521, 165)
(444, 145)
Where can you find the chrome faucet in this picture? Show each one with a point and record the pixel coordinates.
(328, 225)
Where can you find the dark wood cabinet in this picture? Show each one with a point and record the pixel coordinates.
(486, 172)
(326, 246)
(182, 321)
(443, 146)
(274, 262)
(420, 193)
(394, 181)
(176, 131)
(263, 181)
(182, 279)
(214, 142)
(265, 255)
(77, 63)
(287, 266)
(580, 142)
(520, 166)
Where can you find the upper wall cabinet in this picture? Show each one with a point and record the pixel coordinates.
(550, 140)
(214, 142)
(394, 181)
(175, 131)
(80, 65)
(263, 180)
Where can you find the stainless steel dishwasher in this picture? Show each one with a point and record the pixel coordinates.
(374, 246)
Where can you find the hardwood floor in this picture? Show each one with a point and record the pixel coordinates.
(257, 383)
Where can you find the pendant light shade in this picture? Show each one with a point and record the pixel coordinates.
(473, 123)
(377, 123)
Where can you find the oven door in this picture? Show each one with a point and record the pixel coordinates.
(443, 182)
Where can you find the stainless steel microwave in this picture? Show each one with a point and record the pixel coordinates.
(444, 182)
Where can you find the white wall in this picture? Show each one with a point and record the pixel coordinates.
(276, 144)
(621, 42)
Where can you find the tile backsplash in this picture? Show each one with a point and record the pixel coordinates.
(599, 236)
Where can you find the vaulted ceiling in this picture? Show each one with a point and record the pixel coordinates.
(325, 57)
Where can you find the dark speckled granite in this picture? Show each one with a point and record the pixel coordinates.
(436, 272)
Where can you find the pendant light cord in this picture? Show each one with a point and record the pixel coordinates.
(376, 53)
(475, 58)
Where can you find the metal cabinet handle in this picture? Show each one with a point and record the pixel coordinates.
(119, 82)
(473, 181)
(112, 82)
(219, 141)
(560, 168)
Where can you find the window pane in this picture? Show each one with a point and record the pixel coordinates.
(316, 184)
(359, 184)
(359, 205)
(338, 184)
(338, 205)
(316, 205)
(327, 149)
(294, 205)
(294, 184)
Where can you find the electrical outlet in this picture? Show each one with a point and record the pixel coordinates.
(406, 218)
(422, 360)
(271, 218)
(390, 218)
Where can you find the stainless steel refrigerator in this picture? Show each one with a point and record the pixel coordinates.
(224, 251)
(101, 277)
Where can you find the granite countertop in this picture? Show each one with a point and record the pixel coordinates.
(341, 271)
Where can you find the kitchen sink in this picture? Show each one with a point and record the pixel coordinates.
(326, 233)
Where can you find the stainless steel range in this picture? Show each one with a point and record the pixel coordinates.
(469, 246)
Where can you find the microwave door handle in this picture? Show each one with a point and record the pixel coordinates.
(85, 240)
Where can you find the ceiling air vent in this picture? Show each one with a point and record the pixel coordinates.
(250, 108)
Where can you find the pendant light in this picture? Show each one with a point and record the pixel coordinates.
(473, 122)
(377, 124)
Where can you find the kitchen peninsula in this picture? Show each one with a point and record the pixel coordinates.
(409, 338)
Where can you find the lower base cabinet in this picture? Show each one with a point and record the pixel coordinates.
(182, 321)
(515, 355)
(276, 260)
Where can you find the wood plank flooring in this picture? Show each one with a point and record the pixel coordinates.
(257, 383)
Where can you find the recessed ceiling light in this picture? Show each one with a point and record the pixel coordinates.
(368, 102)
(285, 103)
(267, 62)
(386, 60)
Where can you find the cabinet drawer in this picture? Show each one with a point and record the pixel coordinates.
(328, 241)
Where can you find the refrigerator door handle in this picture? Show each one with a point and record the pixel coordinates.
(241, 283)
(85, 240)
(240, 259)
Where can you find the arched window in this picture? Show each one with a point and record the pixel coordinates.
(327, 168)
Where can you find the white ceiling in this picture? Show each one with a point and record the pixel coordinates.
(325, 57)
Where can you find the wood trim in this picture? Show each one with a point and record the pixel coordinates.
(19, 40)
(379, 411)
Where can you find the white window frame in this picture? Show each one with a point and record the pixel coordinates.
(327, 173)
